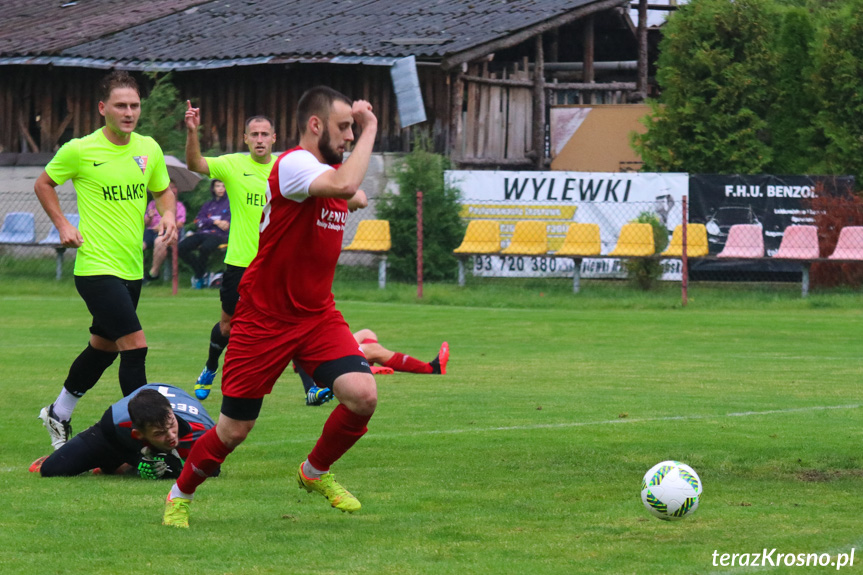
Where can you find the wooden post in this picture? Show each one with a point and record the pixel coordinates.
(454, 139)
(46, 120)
(88, 105)
(76, 108)
(25, 132)
(642, 49)
(589, 46)
(553, 45)
(539, 104)
(240, 117)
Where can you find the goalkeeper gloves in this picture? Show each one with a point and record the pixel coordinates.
(152, 466)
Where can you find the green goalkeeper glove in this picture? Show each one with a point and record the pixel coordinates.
(152, 466)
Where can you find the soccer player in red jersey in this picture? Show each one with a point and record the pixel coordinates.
(286, 309)
(387, 362)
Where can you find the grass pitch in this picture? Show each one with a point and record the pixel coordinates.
(525, 458)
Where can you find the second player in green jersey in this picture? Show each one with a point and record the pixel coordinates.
(245, 177)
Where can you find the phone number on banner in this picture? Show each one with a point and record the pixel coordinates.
(522, 266)
(538, 266)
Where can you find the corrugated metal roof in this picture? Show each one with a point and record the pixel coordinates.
(227, 32)
(39, 27)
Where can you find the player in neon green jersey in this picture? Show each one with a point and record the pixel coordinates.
(245, 177)
(112, 169)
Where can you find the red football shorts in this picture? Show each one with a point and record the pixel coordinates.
(261, 347)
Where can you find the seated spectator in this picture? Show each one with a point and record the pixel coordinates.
(212, 223)
(155, 243)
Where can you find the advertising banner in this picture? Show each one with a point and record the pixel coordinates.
(560, 198)
(773, 202)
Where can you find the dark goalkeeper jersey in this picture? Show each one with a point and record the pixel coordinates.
(191, 416)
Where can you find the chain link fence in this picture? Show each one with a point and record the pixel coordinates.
(821, 244)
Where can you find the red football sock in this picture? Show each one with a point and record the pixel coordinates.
(402, 362)
(342, 429)
(206, 456)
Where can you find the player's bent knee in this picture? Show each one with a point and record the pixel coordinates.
(365, 334)
(357, 391)
(234, 433)
(225, 328)
(375, 353)
(53, 467)
(237, 419)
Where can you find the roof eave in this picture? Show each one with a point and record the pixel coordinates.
(479, 51)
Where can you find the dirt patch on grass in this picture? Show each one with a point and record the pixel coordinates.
(821, 476)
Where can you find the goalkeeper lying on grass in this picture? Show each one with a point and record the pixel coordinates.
(148, 433)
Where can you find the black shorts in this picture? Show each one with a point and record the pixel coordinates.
(150, 236)
(87, 450)
(228, 292)
(112, 303)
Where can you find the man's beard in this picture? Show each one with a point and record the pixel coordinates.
(330, 155)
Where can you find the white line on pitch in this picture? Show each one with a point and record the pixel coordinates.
(385, 435)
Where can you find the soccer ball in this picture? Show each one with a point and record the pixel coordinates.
(671, 490)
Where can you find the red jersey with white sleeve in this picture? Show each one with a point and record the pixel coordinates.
(301, 239)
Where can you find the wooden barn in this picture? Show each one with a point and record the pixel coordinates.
(489, 70)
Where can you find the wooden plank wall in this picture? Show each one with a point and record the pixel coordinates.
(498, 119)
(43, 107)
(40, 107)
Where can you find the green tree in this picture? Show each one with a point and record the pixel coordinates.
(162, 114)
(644, 272)
(838, 82)
(443, 227)
(716, 68)
(793, 134)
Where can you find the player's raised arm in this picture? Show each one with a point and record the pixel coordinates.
(344, 181)
(359, 201)
(194, 160)
(46, 191)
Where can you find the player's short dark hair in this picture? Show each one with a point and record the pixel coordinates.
(317, 101)
(259, 118)
(149, 408)
(114, 80)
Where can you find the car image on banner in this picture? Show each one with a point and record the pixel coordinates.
(720, 221)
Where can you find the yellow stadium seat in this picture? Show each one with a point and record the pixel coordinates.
(481, 237)
(371, 236)
(635, 240)
(696, 242)
(530, 238)
(581, 240)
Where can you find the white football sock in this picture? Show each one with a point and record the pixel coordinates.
(65, 405)
(310, 471)
(175, 492)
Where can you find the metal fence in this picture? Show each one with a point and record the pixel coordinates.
(29, 242)
(589, 241)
